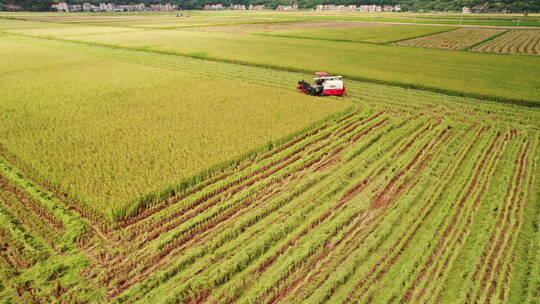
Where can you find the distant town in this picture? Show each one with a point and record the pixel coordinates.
(112, 7)
(321, 7)
(141, 7)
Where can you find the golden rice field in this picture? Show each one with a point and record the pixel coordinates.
(129, 175)
(376, 33)
(453, 40)
(380, 63)
(523, 42)
(145, 129)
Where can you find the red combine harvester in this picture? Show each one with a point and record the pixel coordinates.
(324, 85)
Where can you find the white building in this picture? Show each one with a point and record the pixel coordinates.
(293, 7)
(256, 7)
(60, 7)
(213, 6)
(338, 8)
(388, 8)
(466, 10)
(238, 7)
(161, 7)
(370, 8)
(88, 7)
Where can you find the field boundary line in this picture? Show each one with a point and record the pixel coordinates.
(513, 101)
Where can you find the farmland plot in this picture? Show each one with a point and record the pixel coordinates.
(454, 40)
(376, 34)
(262, 28)
(526, 42)
(179, 123)
(418, 68)
(401, 199)
(408, 196)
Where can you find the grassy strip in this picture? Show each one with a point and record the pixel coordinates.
(20, 234)
(384, 220)
(445, 208)
(525, 277)
(519, 102)
(76, 228)
(485, 41)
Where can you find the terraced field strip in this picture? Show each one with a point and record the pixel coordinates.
(458, 39)
(525, 42)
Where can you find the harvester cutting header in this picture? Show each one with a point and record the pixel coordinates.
(323, 85)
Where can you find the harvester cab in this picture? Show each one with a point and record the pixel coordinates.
(323, 85)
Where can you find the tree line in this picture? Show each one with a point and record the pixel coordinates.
(407, 5)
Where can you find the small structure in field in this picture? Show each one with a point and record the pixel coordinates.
(466, 10)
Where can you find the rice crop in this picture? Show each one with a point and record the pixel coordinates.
(416, 68)
(454, 40)
(269, 27)
(386, 195)
(346, 206)
(382, 33)
(524, 42)
(136, 129)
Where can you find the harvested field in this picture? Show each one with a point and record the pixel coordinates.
(523, 42)
(454, 40)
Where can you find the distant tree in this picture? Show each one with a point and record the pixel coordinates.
(519, 6)
(33, 5)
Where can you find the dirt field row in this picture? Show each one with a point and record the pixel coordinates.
(452, 40)
(514, 42)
